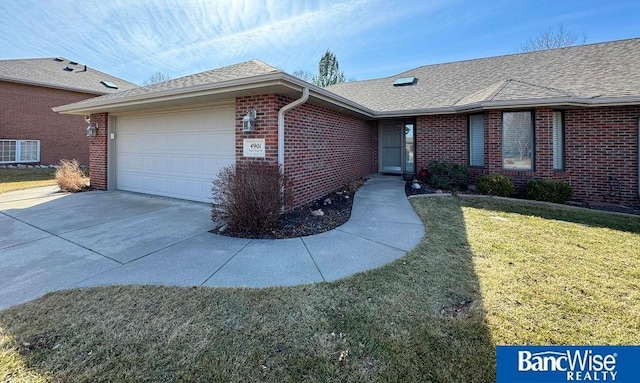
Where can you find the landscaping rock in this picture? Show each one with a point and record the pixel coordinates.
(327, 202)
(317, 213)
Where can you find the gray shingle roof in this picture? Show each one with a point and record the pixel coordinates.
(597, 73)
(50, 72)
(609, 69)
(233, 72)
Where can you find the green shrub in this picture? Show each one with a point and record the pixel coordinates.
(447, 175)
(248, 198)
(70, 177)
(495, 184)
(549, 191)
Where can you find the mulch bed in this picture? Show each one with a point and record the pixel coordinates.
(300, 222)
(426, 189)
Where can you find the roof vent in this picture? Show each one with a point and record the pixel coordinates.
(73, 63)
(404, 81)
(68, 69)
(58, 59)
(109, 84)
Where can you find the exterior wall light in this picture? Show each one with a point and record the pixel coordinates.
(92, 129)
(249, 121)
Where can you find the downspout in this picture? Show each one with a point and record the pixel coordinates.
(281, 112)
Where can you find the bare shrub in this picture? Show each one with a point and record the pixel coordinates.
(353, 186)
(70, 177)
(249, 197)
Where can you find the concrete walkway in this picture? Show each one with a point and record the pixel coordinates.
(52, 241)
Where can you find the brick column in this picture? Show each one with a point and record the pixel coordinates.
(98, 152)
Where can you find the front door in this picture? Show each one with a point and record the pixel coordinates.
(396, 147)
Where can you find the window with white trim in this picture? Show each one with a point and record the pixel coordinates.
(558, 141)
(476, 140)
(517, 141)
(14, 151)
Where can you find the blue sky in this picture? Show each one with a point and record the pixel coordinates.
(133, 39)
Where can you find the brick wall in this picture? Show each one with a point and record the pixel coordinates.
(267, 106)
(98, 153)
(324, 149)
(441, 138)
(25, 113)
(601, 145)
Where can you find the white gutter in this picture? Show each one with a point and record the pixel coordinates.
(281, 112)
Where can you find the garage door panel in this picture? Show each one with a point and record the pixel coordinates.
(175, 154)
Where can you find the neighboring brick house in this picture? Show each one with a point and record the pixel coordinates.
(568, 114)
(30, 132)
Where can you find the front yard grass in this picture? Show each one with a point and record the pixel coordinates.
(19, 179)
(487, 272)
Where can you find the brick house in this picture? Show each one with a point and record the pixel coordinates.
(30, 132)
(566, 114)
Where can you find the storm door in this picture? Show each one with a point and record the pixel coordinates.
(397, 147)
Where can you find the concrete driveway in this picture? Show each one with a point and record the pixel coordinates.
(52, 241)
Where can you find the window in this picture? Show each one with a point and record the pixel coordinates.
(409, 148)
(558, 141)
(476, 140)
(19, 151)
(517, 141)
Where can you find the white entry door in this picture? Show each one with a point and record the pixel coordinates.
(174, 154)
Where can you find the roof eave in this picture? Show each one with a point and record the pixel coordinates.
(513, 104)
(52, 86)
(245, 83)
(169, 95)
(551, 102)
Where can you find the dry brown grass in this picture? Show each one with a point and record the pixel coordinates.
(487, 272)
(70, 177)
(19, 179)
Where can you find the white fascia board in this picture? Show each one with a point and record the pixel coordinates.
(324, 95)
(173, 94)
(246, 83)
(512, 104)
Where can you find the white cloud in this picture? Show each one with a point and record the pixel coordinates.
(134, 39)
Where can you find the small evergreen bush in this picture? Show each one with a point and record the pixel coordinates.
(447, 175)
(248, 197)
(495, 184)
(549, 191)
(70, 177)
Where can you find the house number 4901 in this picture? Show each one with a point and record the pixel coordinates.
(254, 147)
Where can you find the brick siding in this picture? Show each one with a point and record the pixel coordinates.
(98, 153)
(601, 147)
(324, 149)
(25, 113)
(441, 138)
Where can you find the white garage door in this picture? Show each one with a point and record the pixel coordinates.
(174, 154)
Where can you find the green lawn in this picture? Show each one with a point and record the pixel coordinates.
(19, 179)
(487, 272)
